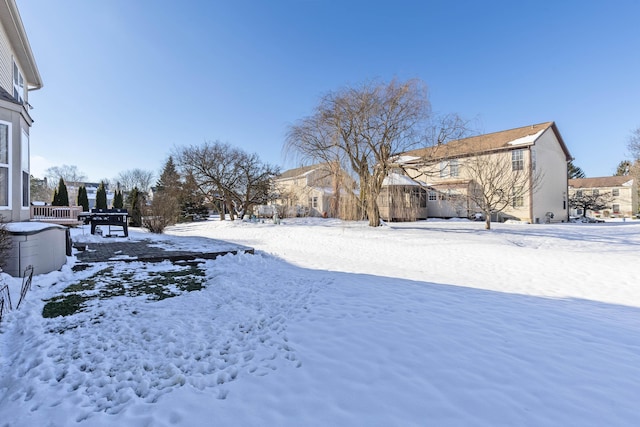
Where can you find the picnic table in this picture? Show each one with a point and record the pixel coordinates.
(115, 217)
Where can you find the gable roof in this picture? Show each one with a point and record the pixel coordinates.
(496, 141)
(398, 179)
(301, 171)
(603, 181)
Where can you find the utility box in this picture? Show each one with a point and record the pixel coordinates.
(41, 245)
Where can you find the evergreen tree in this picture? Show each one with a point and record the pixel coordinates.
(191, 200)
(624, 168)
(61, 195)
(167, 192)
(118, 202)
(83, 199)
(169, 181)
(101, 196)
(135, 204)
(574, 171)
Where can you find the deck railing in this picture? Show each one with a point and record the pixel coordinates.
(63, 215)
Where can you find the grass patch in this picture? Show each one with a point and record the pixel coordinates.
(106, 283)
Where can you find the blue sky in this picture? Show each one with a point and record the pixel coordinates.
(127, 81)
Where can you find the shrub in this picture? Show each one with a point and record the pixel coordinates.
(61, 195)
(101, 196)
(83, 198)
(5, 241)
(162, 213)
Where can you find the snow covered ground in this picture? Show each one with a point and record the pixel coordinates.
(332, 323)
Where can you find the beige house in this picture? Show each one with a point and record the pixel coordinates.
(304, 191)
(538, 150)
(18, 75)
(623, 191)
(315, 190)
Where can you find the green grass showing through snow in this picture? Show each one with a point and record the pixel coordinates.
(157, 285)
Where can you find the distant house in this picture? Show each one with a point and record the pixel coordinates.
(304, 191)
(18, 75)
(622, 190)
(92, 190)
(538, 149)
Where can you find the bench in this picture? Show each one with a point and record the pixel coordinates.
(110, 217)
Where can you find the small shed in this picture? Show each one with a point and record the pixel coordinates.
(402, 199)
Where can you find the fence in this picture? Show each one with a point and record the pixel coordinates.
(63, 215)
(5, 294)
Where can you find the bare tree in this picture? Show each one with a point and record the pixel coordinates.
(229, 178)
(162, 212)
(449, 127)
(496, 186)
(361, 129)
(591, 200)
(254, 182)
(70, 174)
(135, 178)
(212, 167)
(40, 190)
(634, 144)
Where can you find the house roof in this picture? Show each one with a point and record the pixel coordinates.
(398, 179)
(497, 141)
(301, 171)
(604, 181)
(12, 24)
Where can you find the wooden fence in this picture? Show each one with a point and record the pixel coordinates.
(63, 215)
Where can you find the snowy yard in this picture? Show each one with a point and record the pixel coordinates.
(332, 323)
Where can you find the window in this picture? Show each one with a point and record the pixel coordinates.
(432, 196)
(313, 202)
(518, 197)
(615, 192)
(422, 199)
(616, 209)
(453, 168)
(578, 193)
(4, 164)
(18, 84)
(517, 160)
(596, 192)
(24, 141)
(444, 169)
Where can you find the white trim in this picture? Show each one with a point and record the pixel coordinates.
(8, 165)
(23, 135)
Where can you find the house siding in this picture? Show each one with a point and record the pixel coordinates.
(15, 212)
(627, 198)
(15, 114)
(551, 196)
(6, 63)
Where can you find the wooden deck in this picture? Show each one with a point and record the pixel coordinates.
(62, 215)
